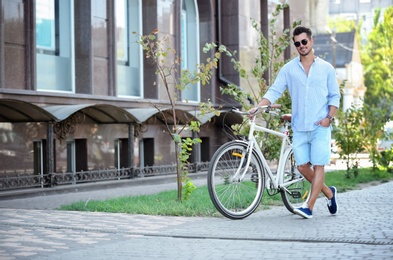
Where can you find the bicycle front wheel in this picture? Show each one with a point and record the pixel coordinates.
(235, 188)
(295, 194)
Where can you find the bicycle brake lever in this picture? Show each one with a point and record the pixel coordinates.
(234, 109)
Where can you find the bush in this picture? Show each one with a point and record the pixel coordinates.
(386, 159)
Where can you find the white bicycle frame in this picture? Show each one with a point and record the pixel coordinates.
(286, 145)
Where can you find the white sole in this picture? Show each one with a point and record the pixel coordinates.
(300, 213)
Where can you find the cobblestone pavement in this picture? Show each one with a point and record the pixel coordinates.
(363, 229)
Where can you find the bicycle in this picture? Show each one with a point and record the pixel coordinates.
(238, 172)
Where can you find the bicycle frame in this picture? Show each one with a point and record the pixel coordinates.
(284, 151)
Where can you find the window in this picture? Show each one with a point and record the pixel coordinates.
(71, 157)
(38, 160)
(46, 27)
(77, 156)
(54, 43)
(190, 46)
(128, 51)
(41, 160)
(146, 156)
(121, 153)
(205, 149)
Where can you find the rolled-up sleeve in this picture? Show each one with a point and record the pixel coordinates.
(333, 90)
(278, 88)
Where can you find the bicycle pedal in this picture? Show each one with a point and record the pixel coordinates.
(254, 177)
(296, 194)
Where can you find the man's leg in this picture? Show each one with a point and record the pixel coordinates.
(319, 141)
(317, 183)
(309, 174)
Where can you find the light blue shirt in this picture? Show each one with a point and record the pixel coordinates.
(311, 95)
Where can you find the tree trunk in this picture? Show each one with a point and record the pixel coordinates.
(178, 171)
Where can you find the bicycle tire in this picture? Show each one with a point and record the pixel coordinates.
(296, 194)
(235, 198)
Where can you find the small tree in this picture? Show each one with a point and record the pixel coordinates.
(375, 120)
(359, 130)
(167, 63)
(269, 60)
(386, 159)
(349, 135)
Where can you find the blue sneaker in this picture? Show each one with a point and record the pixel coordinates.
(332, 203)
(303, 211)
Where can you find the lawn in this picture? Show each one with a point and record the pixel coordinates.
(199, 204)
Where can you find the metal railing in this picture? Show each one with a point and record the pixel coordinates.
(28, 180)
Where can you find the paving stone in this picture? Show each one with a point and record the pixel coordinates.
(361, 230)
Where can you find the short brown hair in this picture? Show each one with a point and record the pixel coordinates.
(301, 29)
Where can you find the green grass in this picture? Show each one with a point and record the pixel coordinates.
(199, 204)
(366, 177)
(163, 203)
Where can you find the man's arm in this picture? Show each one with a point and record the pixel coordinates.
(332, 111)
(327, 121)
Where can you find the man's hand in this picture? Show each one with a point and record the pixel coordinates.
(252, 112)
(325, 122)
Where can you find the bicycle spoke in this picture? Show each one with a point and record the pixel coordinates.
(234, 197)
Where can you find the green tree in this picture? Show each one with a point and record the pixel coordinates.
(377, 58)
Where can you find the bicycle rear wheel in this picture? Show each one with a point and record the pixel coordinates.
(295, 194)
(234, 196)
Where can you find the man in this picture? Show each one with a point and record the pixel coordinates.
(315, 96)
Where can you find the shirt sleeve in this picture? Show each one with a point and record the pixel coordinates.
(333, 89)
(279, 86)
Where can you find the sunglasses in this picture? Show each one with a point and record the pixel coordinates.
(304, 42)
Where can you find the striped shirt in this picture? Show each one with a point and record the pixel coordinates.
(311, 95)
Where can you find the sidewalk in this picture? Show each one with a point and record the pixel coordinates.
(30, 229)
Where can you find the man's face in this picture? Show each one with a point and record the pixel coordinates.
(303, 44)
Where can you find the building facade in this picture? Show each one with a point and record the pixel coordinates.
(78, 100)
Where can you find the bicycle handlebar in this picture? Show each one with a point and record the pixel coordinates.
(275, 106)
(268, 107)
